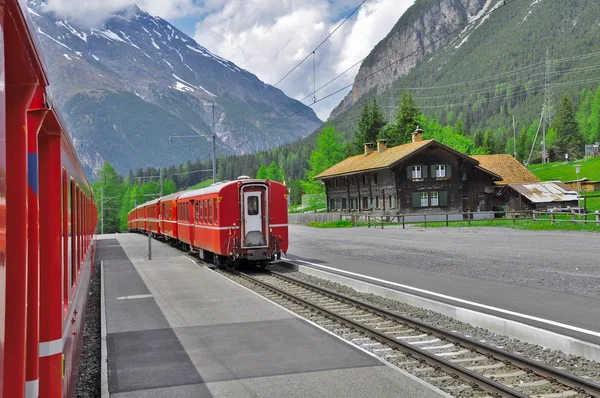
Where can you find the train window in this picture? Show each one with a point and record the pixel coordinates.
(201, 211)
(65, 238)
(73, 234)
(252, 205)
(205, 211)
(210, 215)
(196, 210)
(215, 206)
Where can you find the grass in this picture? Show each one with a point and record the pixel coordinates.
(331, 224)
(590, 168)
(298, 209)
(528, 225)
(201, 184)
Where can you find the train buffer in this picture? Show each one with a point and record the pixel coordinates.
(174, 327)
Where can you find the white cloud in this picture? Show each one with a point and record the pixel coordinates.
(269, 37)
(92, 13)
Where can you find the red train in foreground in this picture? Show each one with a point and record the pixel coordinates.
(242, 220)
(47, 221)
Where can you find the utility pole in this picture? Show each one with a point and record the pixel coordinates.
(161, 183)
(214, 143)
(102, 210)
(548, 105)
(514, 139)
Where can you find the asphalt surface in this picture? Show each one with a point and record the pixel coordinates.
(554, 276)
(566, 262)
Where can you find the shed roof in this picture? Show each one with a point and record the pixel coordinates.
(545, 192)
(380, 160)
(506, 166)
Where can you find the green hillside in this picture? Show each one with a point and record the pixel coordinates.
(562, 171)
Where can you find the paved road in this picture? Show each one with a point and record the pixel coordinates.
(553, 275)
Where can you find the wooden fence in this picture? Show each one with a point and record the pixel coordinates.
(382, 219)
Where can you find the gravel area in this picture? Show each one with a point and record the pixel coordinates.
(572, 364)
(559, 261)
(88, 380)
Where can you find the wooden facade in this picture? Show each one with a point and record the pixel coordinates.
(433, 178)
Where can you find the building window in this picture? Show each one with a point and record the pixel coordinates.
(424, 199)
(440, 170)
(364, 178)
(365, 202)
(393, 202)
(377, 202)
(344, 204)
(337, 183)
(331, 204)
(416, 172)
(434, 199)
(375, 177)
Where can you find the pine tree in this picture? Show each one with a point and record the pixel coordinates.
(478, 138)
(273, 172)
(112, 192)
(369, 125)
(262, 172)
(488, 143)
(522, 146)
(406, 119)
(459, 128)
(568, 137)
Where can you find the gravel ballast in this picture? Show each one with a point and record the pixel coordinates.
(569, 363)
(558, 261)
(88, 380)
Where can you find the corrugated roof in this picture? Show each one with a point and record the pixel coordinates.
(546, 192)
(509, 168)
(374, 160)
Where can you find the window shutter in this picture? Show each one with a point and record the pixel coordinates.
(424, 168)
(416, 199)
(443, 198)
(409, 172)
(448, 170)
(433, 175)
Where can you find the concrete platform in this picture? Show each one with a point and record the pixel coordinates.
(176, 329)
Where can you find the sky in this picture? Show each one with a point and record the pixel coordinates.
(270, 37)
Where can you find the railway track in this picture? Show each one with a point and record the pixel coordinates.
(454, 363)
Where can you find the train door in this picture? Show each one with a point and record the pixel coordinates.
(254, 217)
(190, 220)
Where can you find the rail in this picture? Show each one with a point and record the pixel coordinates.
(574, 382)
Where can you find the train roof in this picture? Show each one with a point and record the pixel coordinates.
(217, 187)
(172, 196)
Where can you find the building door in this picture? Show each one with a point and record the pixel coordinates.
(253, 219)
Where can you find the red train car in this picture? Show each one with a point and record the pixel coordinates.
(168, 216)
(151, 214)
(244, 219)
(230, 221)
(47, 220)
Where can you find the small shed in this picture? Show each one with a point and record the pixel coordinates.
(542, 196)
(585, 186)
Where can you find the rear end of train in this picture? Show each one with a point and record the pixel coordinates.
(262, 233)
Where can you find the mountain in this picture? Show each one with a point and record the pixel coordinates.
(485, 72)
(124, 88)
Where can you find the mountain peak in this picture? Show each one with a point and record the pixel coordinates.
(113, 79)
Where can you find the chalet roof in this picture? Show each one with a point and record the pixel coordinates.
(545, 192)
(380, 160)
(506, 166)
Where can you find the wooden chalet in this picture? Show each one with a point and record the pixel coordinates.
(424, 176)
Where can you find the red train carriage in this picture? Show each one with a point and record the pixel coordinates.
(168, 216)
(151, 210)
(47, 219)
(237, 220)
(243, 219)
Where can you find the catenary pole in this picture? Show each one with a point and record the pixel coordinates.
(214, 145)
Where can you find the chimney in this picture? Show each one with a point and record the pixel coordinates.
(417, 135)
(368, 148)
(381, 145)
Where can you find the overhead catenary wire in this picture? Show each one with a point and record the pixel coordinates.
(485, 15)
